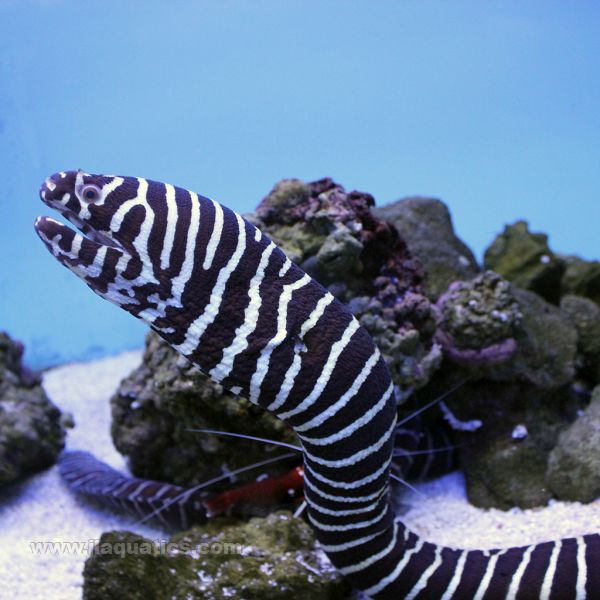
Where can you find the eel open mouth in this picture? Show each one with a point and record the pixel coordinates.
(97, 257)
(72, 247)
(87, 230)
(67, 245)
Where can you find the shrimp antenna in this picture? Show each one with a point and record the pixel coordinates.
(205, 484)
(432, 403)
(402, 452)
(248, 437)
(406, 484)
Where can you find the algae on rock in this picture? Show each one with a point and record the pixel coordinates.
(585, 316)
(582, 277)
(157, 407)
(546, 345)
(574, 464)
(505, 460)
(271, 558)
(340, 254)
(338, 239)
(426, 226)
(518, 354)
(31, 431)
(512, 333)
(525, 259)
(478, 320)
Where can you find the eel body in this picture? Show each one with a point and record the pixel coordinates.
(171, 505)
(226, 297)
(420, 452)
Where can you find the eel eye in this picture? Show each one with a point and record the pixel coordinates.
(91, 193)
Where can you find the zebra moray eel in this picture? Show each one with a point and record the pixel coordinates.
(420, 453)
(226, 297)
(172, 506)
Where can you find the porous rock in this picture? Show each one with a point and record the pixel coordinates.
(513, 333)
(340, 253)
(156, 408)
(426, 226)
(520, 353)
(574, 464)
(338, 239)
(585, 316)
(582, 277)
(31, 431)
(478, 320)
(271, 558)
(505, 460)
(525, 259)
(546, 345)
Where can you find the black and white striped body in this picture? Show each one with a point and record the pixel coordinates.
(227, 298)
(422, 451)
(170, 505)
(418, 454)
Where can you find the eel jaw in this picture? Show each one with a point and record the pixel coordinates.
(89, 232)
(67, 245)
(100, 266)
(83, 253)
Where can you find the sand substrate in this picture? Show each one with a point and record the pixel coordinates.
(41, 509)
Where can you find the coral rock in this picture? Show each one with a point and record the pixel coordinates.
(426, 227)
(582, 277)
(31, 432)
(337, 238)
(478, 320)
(158, 404)
(574, 464)
(340, 253)
(525, 259)
(585, 316)
(505, 460)
(546, 345)
(270, 558)
(284, 202)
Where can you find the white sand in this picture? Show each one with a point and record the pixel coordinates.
(444, 516)
(42, 508)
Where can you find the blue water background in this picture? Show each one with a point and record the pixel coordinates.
(492, 106)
